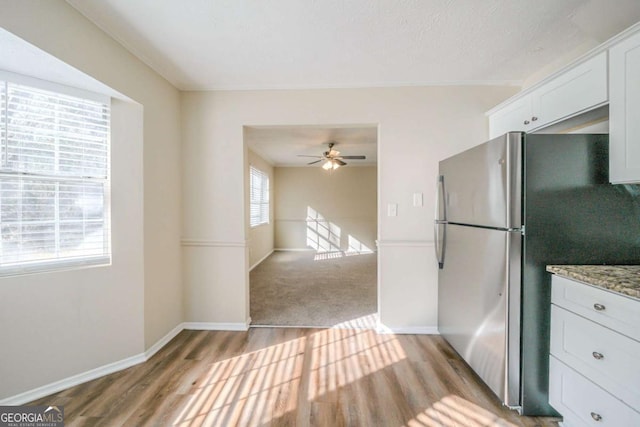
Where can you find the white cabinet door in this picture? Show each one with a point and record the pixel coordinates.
(580, 89)
(513, 117)
(624, 111)
(582, 403)
(605, 357)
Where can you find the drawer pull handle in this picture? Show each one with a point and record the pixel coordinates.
(598, 356)
(596, 417)
(599, 307)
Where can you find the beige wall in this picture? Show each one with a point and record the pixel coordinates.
(65, 323)
(326, 211)
(417, 126)
(261, 237)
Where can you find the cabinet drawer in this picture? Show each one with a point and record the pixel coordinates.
(611, 310)
(607, 358)
(577, 398)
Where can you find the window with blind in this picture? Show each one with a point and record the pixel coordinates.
(54, 179)
(259, 188)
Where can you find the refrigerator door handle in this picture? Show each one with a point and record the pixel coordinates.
(439, 226)
(439, 229)
(441, 206)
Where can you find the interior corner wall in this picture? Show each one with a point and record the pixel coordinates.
(417, 126)
(326, 211)
(261, 237)
(55, 325)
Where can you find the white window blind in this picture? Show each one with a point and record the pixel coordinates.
(54, 179)
(259, 186)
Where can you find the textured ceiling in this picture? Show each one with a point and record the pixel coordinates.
(280, 145)
(268, 44)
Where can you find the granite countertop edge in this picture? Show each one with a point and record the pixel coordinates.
(621, 279)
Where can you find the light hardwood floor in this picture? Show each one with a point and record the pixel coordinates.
(292, 377)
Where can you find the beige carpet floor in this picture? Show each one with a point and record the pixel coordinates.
(315, 289)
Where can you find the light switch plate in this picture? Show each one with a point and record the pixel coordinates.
(392, 209)
(417, 199)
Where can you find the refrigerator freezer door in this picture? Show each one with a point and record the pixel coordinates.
(478, 304)
(483, 184)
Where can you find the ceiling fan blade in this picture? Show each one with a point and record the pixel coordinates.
(304, 155)
(340, 162)
(354, 157)
(314, 162)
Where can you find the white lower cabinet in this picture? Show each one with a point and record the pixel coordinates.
(583, 403)
(594, 367)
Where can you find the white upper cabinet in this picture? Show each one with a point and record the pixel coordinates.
(516, 116)
(624, 111)
(579, 89)
(575, 91)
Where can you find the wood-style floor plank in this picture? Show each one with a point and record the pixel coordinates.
(292, 377)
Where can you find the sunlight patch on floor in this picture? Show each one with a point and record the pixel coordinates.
(252, 380)
(323, 256)
(454, 411)
(259, 387)
(336, 362)
(370, 321)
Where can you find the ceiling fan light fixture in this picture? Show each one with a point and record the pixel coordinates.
(330, 165)
(332, 158)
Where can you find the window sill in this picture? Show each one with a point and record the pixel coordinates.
(54, 266)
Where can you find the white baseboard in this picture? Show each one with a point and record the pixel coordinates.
(294, 249)
(411, 330)
(213, 326)
(319, 252)
(46, 390)
(163, 341)
(261, 259)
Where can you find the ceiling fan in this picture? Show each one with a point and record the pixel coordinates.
(332, 158)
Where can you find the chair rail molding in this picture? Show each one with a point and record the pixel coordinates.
(214, 243)
(404, 243)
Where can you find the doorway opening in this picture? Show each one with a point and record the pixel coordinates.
(313, 263)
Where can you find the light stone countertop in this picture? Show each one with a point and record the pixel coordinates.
(623, 279)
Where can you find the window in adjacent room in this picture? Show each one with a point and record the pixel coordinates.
(54, 177)
(259, 189)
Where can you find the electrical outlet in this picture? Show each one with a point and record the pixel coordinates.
(417, 200)
(392, 209)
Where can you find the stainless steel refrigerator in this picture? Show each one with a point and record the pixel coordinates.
(505, 209)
